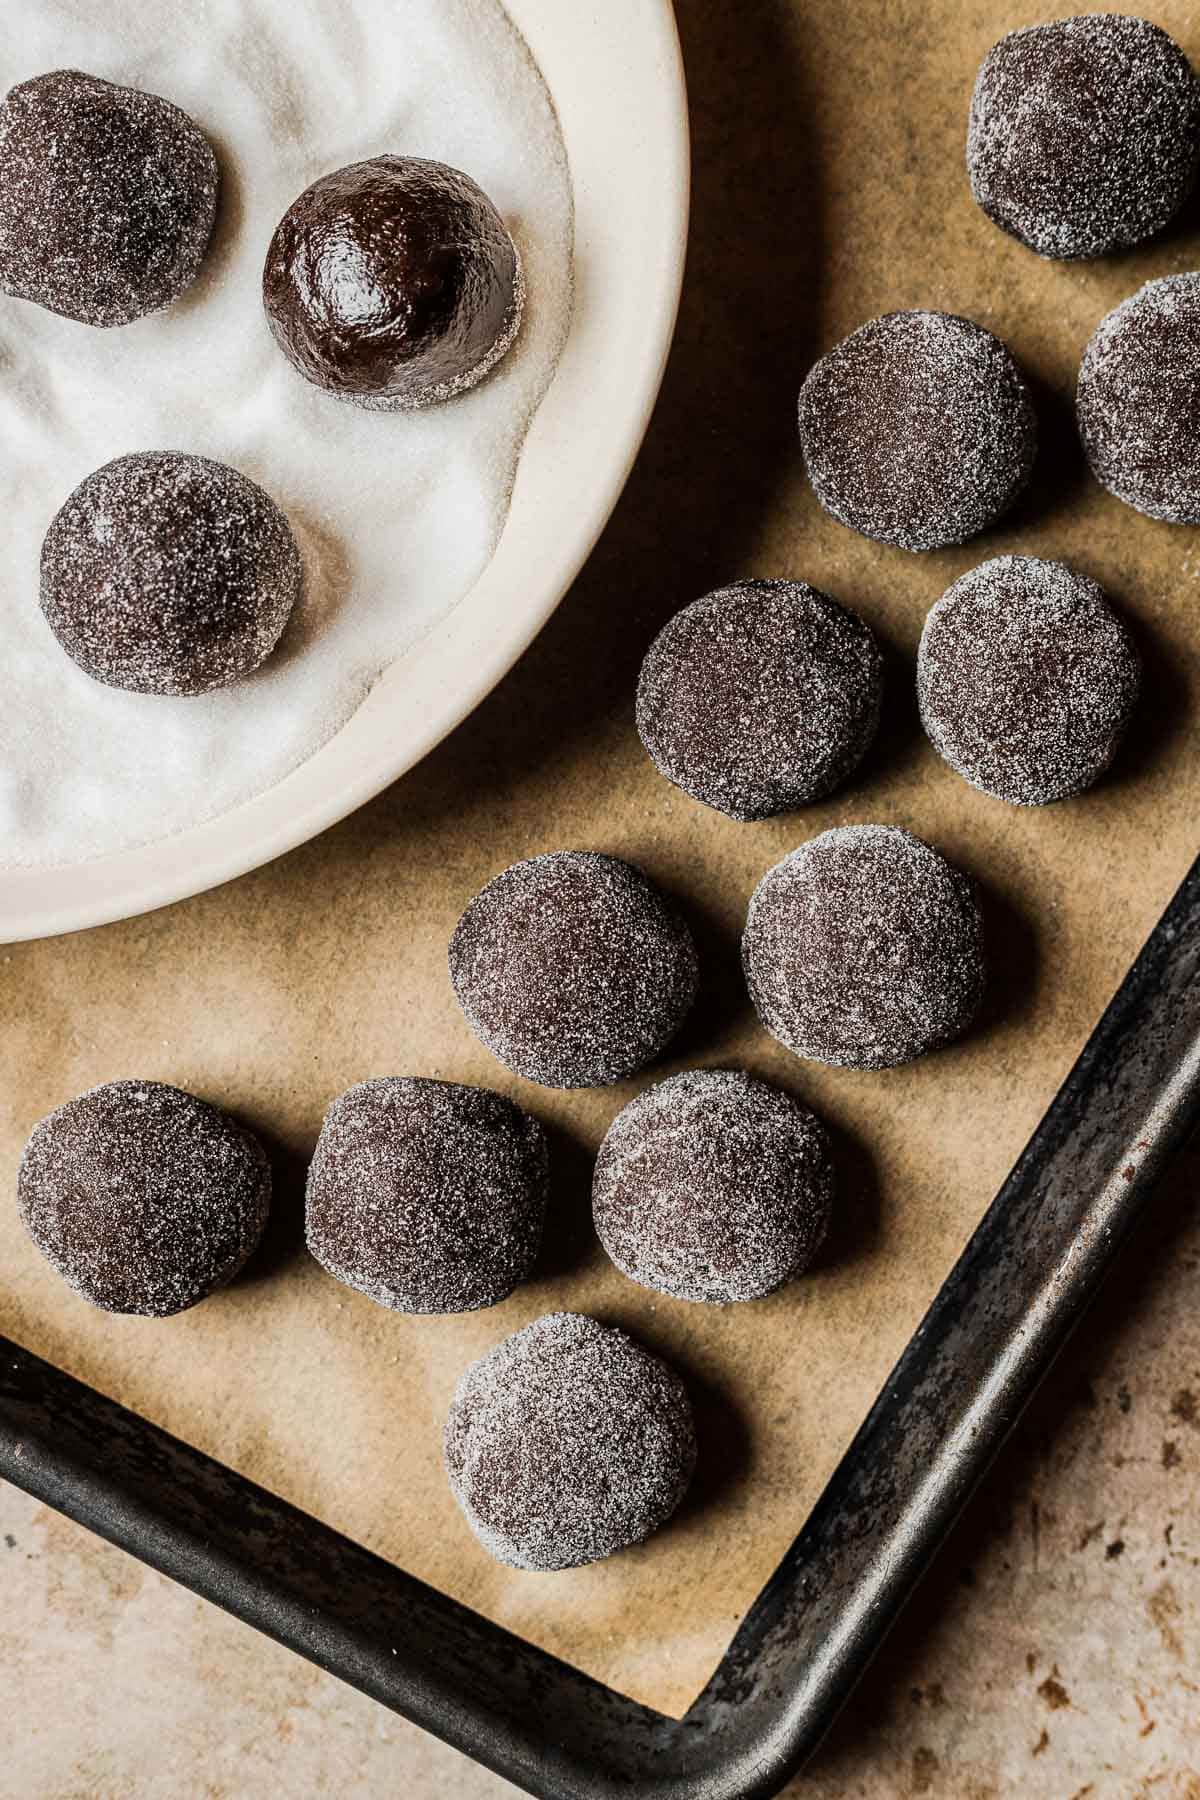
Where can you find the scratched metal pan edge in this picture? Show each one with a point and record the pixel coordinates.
(1024, 1279)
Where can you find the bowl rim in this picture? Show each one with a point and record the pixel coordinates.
(615, 75)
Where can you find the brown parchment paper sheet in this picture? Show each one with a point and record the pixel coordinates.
(829, 187)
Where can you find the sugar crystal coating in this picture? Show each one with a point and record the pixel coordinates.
(107, 198)
(394, 535)
(917, 430)
(568, 1442)
(1138, 400)
(169, 574)
(427, 1196)
(393, 283)
(863, 948)
(573, 968)
(1084, 134)
(144, 1198)
(1026, 679)
(713, 1186)
(760, 697)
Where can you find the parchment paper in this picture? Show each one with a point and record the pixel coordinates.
(829, 187)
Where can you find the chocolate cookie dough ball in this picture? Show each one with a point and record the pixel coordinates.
(143, 1198)
(107, 198)
(393, 283)
(1138, 400)
(573, 969)
(427, 1196)
(568, 1442)
(1084, 134)
(168, 574)
(1026, 679)
(917, 430)
(863, 948)
(713, 1186)
(761, 697)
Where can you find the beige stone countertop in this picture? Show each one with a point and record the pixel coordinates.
(1055, 1650)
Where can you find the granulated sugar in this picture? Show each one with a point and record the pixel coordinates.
(396, 516)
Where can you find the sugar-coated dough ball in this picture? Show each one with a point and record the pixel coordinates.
(1026, 679)
(427, 1196)
(917, 430)
(168, 574)
(568, 1442)
(761, 697)
(573, 969)
(1138, 400)
(713, 1186)
(143, 1197)
(107, 198)
(393, 283)
(1084, 134)
(864, 948)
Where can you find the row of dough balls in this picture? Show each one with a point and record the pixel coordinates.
(862, 947)
(764, 696)
(171, 574)
(566, 1442)
(429, 1196)
(919, 429)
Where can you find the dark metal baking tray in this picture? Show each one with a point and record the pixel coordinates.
(1020, 1285)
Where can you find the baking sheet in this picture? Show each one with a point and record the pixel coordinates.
(829, 187)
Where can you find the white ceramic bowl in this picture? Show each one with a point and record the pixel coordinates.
(617, 81)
